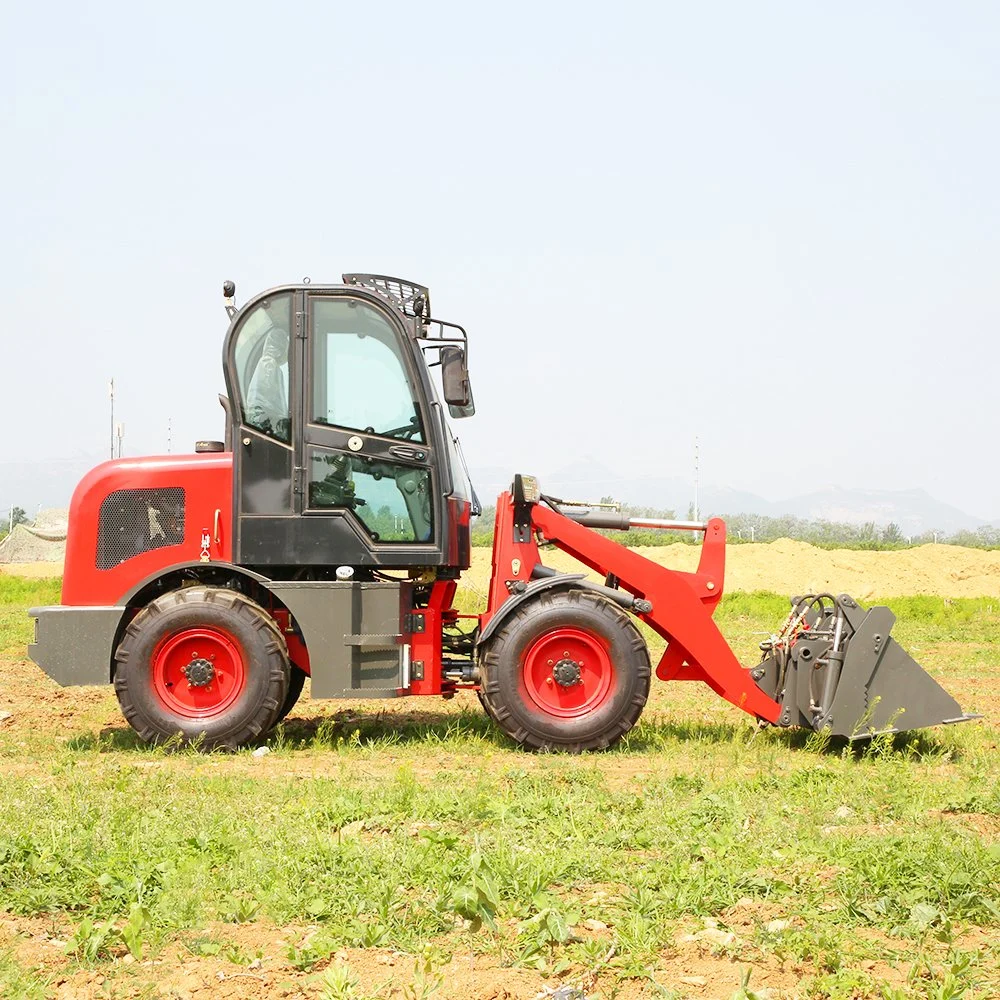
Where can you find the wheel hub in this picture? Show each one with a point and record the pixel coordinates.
(566, 673)
(199, 672)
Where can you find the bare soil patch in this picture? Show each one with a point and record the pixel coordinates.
(33, 570)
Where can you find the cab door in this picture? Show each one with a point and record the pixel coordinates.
(368, 481)
(264, 374)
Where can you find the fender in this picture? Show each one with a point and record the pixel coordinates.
(515, 601)
(129, 597)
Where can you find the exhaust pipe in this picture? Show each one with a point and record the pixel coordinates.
(833, 666)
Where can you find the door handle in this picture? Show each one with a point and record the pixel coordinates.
(407, 453)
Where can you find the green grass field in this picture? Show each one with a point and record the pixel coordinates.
(408, 849)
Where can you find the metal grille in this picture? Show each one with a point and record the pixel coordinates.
(135, 521)
(401, 291)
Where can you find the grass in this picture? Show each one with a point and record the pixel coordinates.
(866, 872)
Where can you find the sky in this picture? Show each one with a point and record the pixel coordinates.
(773, 228)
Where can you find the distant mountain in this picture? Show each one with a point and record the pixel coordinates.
(915, 511)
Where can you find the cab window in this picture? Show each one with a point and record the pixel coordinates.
(391, 500)
(261, 356)
(359, 379)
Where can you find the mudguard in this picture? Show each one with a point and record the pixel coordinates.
(516, 600)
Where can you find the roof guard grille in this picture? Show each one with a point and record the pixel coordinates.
(400, 290)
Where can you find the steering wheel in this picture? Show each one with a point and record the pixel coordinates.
(405, 432)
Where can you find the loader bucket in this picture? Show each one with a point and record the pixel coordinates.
(834, 667)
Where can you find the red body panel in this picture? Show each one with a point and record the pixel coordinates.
(459, 514)
(512, 560)
(425, 647)
(208, 484)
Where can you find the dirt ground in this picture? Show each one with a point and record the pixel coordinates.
(703, 963)
(32, 570)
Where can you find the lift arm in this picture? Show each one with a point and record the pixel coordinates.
(682, 603)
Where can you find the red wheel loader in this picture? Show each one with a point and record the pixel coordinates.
(325, 537)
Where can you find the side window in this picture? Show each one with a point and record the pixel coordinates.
(392, 501)
(262, 367)
(359, 379)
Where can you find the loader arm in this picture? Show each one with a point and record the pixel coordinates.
(682, 603)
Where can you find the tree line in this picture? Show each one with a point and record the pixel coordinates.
(745, 528)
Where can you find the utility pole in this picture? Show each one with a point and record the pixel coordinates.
(697, 516)
(111, 393)
(169, 434)
(120, 434)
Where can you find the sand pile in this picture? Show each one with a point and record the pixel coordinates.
(42, 541)
(789, 567)
(784, 567)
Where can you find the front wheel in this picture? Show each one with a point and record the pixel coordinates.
(205, 663)
(568, 670)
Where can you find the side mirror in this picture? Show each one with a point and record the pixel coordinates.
(455, 379)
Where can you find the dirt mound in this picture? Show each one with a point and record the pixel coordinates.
(789, 567)
(42, 541)
(786, 566)
(34, 570)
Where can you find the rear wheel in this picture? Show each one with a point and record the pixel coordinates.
(204, 663)
(567, 671)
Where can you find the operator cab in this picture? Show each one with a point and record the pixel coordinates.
(342, 454)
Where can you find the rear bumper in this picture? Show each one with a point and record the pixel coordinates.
(74, 645)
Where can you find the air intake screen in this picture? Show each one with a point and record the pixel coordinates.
(136, 521)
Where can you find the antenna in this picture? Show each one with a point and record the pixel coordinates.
(120, 435)
(111, 393)
(169, 433)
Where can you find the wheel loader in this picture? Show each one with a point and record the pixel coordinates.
(326, 536)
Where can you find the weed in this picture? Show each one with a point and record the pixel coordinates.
(426, 980)
(338, 983)
(92, 941)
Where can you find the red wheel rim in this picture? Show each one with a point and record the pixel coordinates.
(568, 672)
(198, 673)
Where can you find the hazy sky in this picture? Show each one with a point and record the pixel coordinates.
(775, 226)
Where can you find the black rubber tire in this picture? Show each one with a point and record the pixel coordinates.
(265, 665)
(501, 662)
(296, 681)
